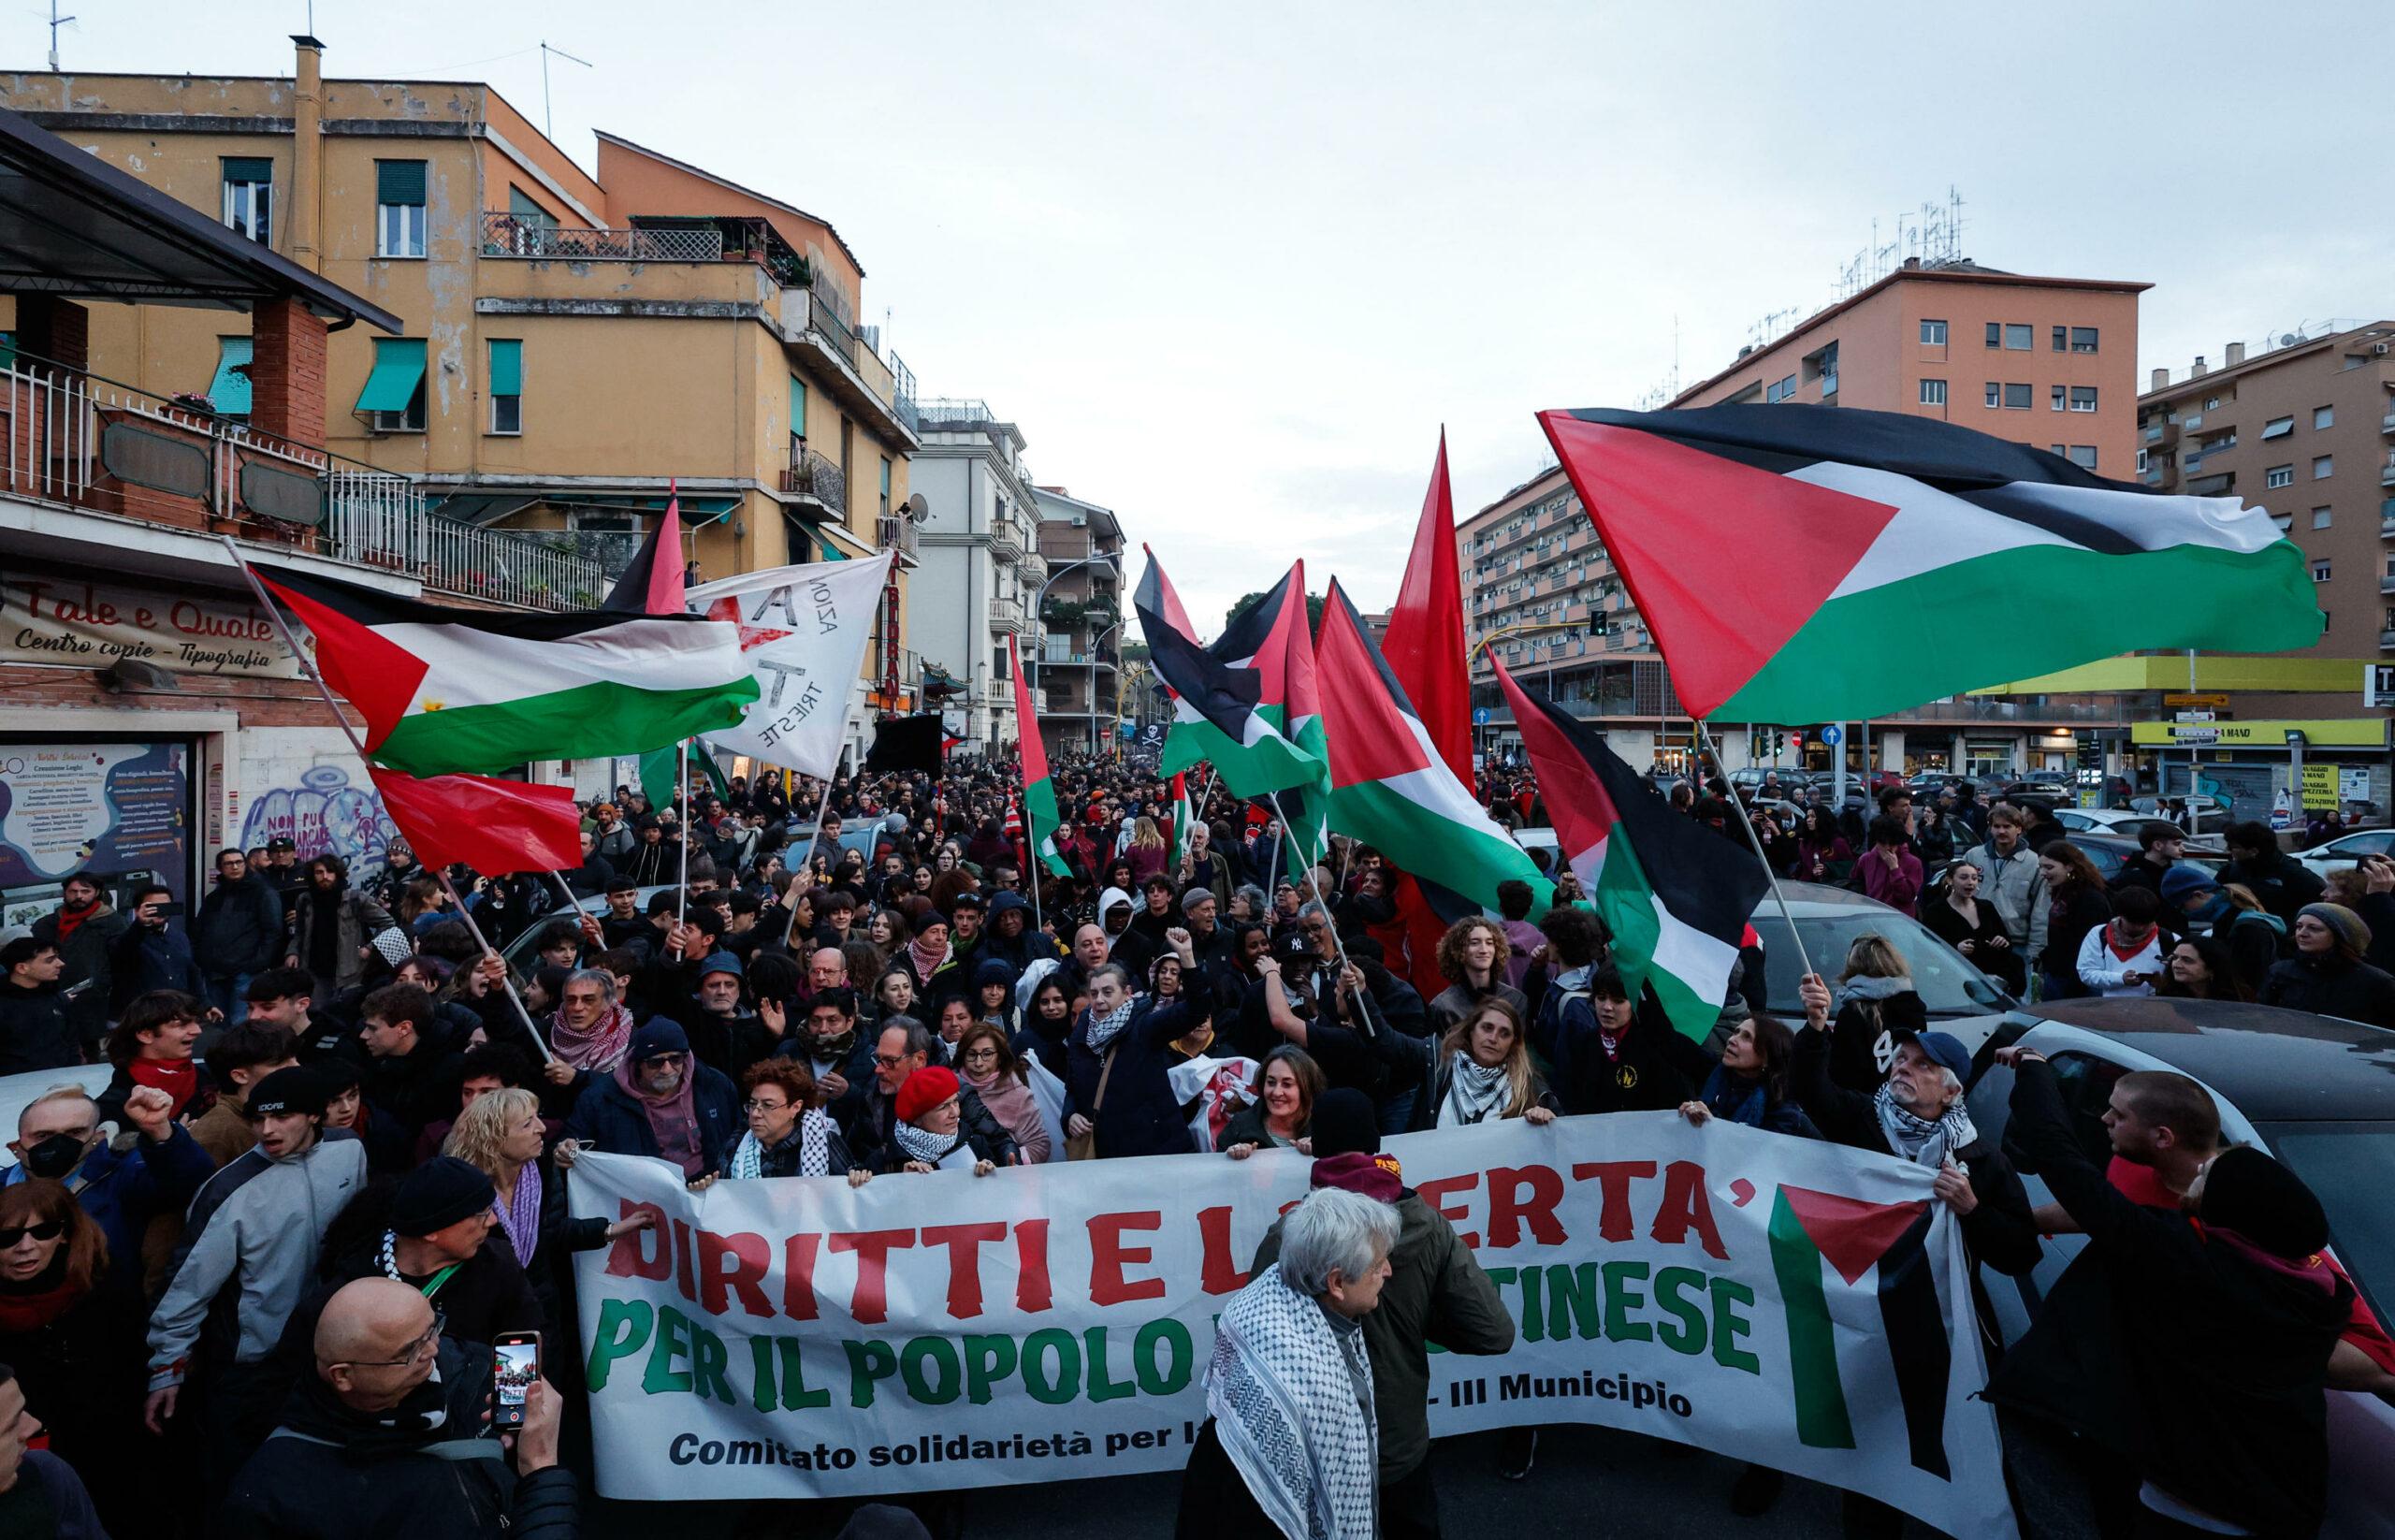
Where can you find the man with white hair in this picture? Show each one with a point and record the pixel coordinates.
(1290, 1441)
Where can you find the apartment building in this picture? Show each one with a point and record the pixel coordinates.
(982, 568)
(575, 345)
(1079, 668)
(2049, 362)
(149, 713)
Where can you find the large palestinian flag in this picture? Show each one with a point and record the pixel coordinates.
(1675, 894)
(1388, 786)
(1813, 563)
(1219, 710)
(1039, 791)
(447, 691)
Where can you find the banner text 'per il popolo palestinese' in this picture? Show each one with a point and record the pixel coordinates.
(1789, 1302)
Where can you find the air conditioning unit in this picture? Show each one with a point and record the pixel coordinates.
(2378, 350)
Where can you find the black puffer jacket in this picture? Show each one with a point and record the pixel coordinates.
(331, 1474)
(239, 928)
(2333, 985)
(2180, 1353)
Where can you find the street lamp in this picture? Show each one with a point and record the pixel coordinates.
(1038, 607)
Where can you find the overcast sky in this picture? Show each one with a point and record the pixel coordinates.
(1230, 267)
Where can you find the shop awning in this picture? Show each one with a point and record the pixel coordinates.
(398, 369)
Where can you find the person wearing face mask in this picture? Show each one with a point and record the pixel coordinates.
(249, 1247)
(150, 1168)
(76, 1346)
(384, 1435)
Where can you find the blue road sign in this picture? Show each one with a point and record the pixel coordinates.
(1833, 734)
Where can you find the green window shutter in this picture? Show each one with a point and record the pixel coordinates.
(830, 552)
(399, 369)
(797, 407)
(229, 392)
(248, 168)
(885, 475)
(8, 350)
(506, 367)
(399, 181)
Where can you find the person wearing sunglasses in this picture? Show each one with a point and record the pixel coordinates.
(76, 1346)
(661, 1102)
(386, 1436)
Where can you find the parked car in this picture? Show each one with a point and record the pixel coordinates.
(2125, 823)
(523, 953)
(2208, 814)
(2297, 1085)
(2345, 849)
(1958, 998)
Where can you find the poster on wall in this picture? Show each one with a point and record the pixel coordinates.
(114, 809)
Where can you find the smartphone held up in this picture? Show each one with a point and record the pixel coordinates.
(515, 1364)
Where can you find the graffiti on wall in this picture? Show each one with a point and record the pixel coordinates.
(323, 813)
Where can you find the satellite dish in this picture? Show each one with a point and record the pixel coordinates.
(917, 509)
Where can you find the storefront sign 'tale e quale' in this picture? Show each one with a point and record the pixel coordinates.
(70, 623)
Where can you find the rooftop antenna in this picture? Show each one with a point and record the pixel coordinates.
(548, 126)
(56, 21)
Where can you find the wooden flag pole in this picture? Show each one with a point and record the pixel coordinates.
(308, 667)
(1704, 735)
(803, 875)
(682, 826)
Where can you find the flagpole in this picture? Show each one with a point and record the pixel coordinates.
(804, 871)
(522, 1015)
(308, 668)
(682, 790)
(572, 905)
(1704, 735)
(1337, 944)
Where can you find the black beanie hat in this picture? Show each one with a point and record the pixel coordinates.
(1345, 1124)
(291, 1089)
(438, 1194)
(2248, 1192)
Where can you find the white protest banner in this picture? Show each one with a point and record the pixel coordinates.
(804, 629)
(1794, 1303)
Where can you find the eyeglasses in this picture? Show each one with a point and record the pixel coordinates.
(890, 1061)
(415, 1351)
(753, 1105)
(49, 1230)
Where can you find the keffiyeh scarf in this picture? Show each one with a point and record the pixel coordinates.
(1291, 1399)
(928, 962)
(1921, 1140)
(601, 1048)
(931, 1149)
(1102, 1029)
(813, 1149)
(1474, 1092)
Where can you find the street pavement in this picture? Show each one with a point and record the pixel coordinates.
(1593, 1483)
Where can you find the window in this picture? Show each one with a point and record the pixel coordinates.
(2082, 338)
(2324, 416)
(2212, 404)
(2059, 397)
(2278, 427)
(2323, 467)
(797, 411)
(1996, 334)
(2279, 475)
(249, 197)
(2284, 521)
(2082, 397)
(526, 209)
(2062, 339)
(2320, 572)
(1933, 393)
(229, 391)
(2141, 462)
(2322, 517)
(1780, 390)
(393, 400)
(1994, 394)
(2084, 455)
(398, 208)
(885, 487)
(2016, 398)
(2020, 339)
(506, 385)
(1933, 334)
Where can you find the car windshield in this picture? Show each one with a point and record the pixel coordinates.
(2350, 1166)
(1948, 984)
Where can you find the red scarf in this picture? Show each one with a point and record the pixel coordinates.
(69, 919)
(178, 1078)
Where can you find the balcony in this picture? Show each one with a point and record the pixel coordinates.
(1033, 568)
(2386, 583)
(810, 475)
(1005, 614)
(506, 235)
(896, 532)
(2386, 525)
(1006, 544)
(2387, 641)
(2387, 422)
(2387, 475)
(88, 442)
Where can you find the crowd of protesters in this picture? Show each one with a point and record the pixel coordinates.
(265, 1260)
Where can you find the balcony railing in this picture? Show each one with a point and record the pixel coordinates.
(78, 439)
(809, 475)
(2387, 422)
(506, 235)
(896, 532)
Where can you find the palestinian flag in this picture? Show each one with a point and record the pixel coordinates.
(1219, 709)
(1865, 1319)
(1425, 640)
(1275, 638)
(652, 585)
(446, 690)
(1039, 791)
(1180, 820)
(1388, 786)
(1675, 894)
(1812, 563)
